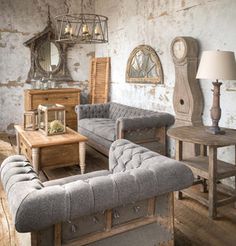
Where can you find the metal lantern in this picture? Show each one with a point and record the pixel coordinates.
(52, 119)
(31, 120)
(81, 28)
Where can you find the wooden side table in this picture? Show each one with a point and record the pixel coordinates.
(207, 167)
(51, 151)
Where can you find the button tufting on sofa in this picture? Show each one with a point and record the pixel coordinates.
(104, 123)
(137, 175)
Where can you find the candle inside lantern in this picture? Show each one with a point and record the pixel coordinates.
(68, 29)
(97, 30)
(85, 29)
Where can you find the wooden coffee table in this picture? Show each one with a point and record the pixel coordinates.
(51, 151)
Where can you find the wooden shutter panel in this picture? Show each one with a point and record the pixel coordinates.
(99, 79)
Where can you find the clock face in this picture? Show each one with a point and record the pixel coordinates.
(179, 49)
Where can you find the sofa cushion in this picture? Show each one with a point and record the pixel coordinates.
(100, 126)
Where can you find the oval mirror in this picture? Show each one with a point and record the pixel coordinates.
(48, 56)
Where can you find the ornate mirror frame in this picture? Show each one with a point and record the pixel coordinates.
(152, 59)
(61, 72)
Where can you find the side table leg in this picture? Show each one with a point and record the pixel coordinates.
(203, 150)
(212, 181)
(179, 157)
(35, 159)
(82, 149)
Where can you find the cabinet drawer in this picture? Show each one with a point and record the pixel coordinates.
(60, 98)
(25, 149)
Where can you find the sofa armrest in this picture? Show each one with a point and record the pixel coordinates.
(142, 122)
(92, 111)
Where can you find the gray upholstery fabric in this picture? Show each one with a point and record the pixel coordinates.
(103, 127)
(141, 122)
(115, 110)
(170, 175)
(111, 120)
(138, 174)
(70, 179)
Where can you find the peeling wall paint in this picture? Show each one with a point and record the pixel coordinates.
(157, 23)
(19, 21)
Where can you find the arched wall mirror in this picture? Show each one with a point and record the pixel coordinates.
(144, 66)
(48, 58)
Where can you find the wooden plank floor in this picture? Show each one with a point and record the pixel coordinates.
(192, 225)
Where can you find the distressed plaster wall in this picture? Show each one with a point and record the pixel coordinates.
(19, 21)
(157, 23)
(131, 23)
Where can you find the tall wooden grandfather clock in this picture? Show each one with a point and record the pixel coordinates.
(187, 97)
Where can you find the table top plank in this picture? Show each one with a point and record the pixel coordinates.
(36, 139)
(199, 135)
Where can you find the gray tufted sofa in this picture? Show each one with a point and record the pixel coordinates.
(104, 123)
(131, 204)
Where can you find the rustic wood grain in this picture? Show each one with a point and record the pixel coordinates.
(199, 135)
(209, 168)
(99, 80)
(52, 151)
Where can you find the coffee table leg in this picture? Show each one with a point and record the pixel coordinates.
(82, 157)
(35, 159)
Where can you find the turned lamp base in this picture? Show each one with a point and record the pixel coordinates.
(216, 65)
(215, 110)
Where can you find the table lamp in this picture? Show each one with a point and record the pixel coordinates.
(216, 65)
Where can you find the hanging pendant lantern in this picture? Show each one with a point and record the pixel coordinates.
(81, 28)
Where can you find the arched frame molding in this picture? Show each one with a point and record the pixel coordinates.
(144, 66)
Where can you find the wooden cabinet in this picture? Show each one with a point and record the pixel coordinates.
(69, 97)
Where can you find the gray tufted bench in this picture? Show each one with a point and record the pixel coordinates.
(129, 204)
(104, 123)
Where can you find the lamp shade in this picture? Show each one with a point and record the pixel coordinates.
(217, 65)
